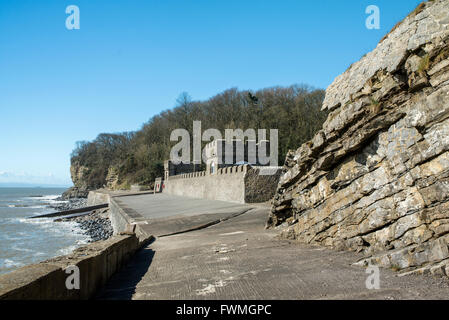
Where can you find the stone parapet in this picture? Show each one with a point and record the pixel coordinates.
(240, 184)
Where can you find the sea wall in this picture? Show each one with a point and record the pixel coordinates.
(375, 179)
(97, 197)
(97, 262)
(121, 217)
(119, 220)
(240, 184)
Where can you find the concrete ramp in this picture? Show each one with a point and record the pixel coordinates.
(162, 214)
(239, 259)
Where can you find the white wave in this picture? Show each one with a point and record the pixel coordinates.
(25, 206)
(21, 249)
(40, 221)
(83, 242)
(56, 201)
(11, 263)
(48, 197)
(70, 249)
(66, 251)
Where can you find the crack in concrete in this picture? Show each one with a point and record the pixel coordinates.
(206, 225)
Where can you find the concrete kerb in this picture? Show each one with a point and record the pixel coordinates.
(132, 194)
(47, 280)
(123, 223)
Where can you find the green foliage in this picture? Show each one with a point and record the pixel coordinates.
(374, 102)
(139, 156)
(424, 64)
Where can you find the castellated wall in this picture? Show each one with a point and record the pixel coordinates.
(375, 179)
(240, 184)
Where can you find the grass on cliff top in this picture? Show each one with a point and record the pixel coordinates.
(424, 64)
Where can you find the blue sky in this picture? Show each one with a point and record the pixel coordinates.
(132, 58)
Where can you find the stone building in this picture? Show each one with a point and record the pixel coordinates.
(221, 153)
(171, 169)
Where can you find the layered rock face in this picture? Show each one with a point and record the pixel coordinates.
(112, 179)
(375, 179)
(80, 188)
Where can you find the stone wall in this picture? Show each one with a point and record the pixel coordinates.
(240, 184)
(375, 179)
(261, 183)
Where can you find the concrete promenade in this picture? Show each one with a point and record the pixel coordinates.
(217, 250)
(161, 214)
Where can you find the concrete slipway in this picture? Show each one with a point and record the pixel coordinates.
(208, 249)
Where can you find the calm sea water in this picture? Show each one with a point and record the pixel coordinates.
(25, 241)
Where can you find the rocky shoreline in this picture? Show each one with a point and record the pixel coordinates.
(69, 204)
(96, 224)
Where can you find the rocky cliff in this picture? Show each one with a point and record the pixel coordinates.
(85, 179)
(375, 179)
(80, 188)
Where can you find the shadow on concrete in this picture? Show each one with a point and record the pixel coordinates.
(122, 285)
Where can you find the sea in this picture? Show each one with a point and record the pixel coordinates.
(26, 241)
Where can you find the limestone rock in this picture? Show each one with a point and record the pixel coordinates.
(112, 178)
(375, 179)
(78, 174)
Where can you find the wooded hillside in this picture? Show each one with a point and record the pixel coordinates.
(137, 157)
